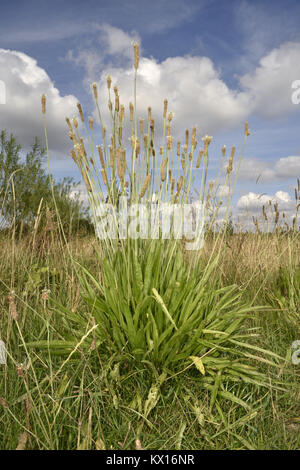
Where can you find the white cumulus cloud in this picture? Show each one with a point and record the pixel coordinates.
(254, 202)
(269, 86)
(25, 82)
(284, 168)
(287, 167)
(195, 92)
(193, 85)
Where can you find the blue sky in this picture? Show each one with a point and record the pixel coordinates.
(219, 63)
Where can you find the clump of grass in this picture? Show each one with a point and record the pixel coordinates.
(99, 399)
(150, 304)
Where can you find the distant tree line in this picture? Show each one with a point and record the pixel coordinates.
(25, 189)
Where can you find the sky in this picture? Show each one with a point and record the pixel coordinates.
(219, 63)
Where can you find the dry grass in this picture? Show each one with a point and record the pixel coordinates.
(92, 423)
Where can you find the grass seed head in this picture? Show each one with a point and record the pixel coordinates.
(199, 159)
(186, 137)
(79, 151)
(145, 186)
(104, 176)
(101, 157)
(230, 162)
(247, 129)
(179, 183)
(122, 113)
(95, 90)
(112, 156)
(72, 135)
(172, 185)
(165, 108)
(169, 142)
(194, 135)
(117, 103)
(83, 147)
(207, 140)
(163, 170)
(87, 181)
(80, 112)
(131, 109)
(264, 213)
(136, 55)
(232, 152)
(229, 166)
(120, 164)
(69, 124)
(43, 101)
(141, 126)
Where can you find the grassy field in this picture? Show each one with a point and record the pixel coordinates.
(88, 398)
(139, 343)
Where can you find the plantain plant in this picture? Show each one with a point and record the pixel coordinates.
(155, 305)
